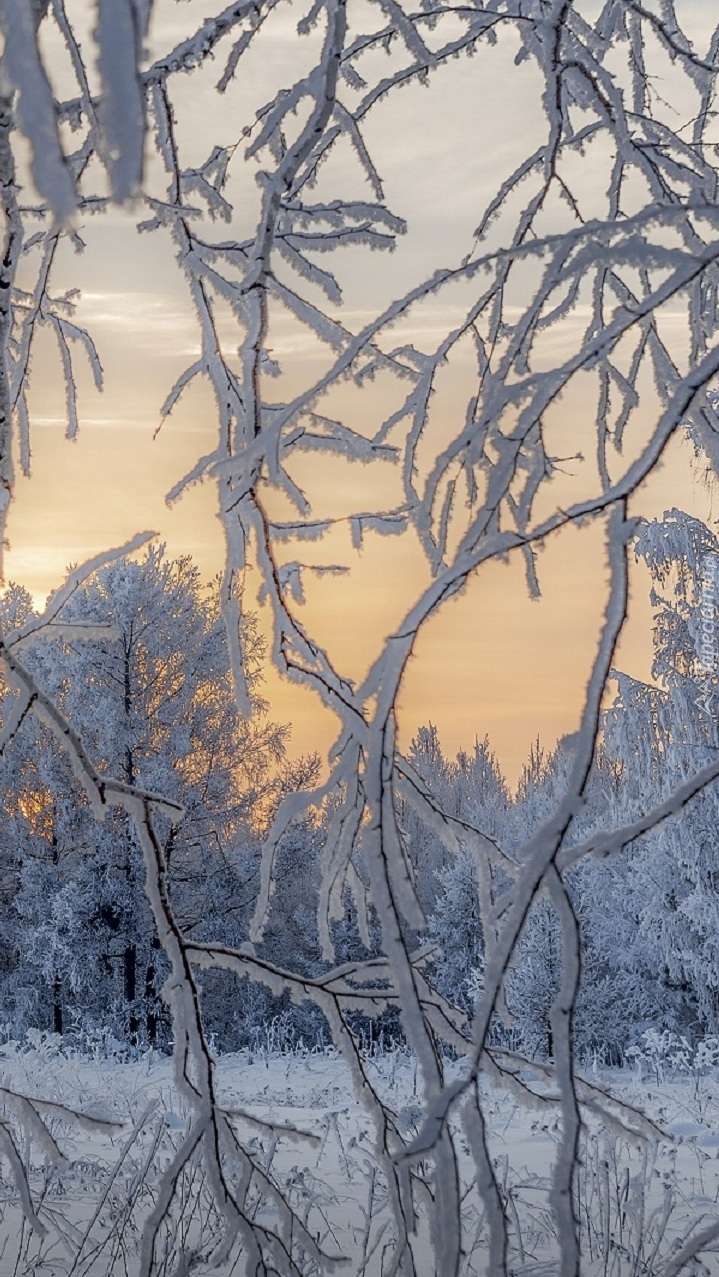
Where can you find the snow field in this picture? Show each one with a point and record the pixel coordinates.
(637, 1200)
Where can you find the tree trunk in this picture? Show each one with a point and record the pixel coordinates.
(152, 1020)
(57, 1005)
(130, 989)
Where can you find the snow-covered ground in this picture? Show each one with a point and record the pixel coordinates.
(637, 1200)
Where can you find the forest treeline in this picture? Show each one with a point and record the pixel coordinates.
(139, 666)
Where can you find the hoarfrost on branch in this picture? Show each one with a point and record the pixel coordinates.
(582, 259)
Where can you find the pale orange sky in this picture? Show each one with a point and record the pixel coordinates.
(492, 662)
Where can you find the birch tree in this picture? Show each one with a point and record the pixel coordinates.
(587, 258)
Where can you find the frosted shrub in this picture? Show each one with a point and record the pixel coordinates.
(666, 1055)
(706, 1056)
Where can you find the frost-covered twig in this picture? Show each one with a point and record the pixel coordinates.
(596, 265)
(538, 856)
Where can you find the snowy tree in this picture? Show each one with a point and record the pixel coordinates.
(536, 972)
(155, 701)
(590, 245)
(457, 929)
(473, 790)
(657, 735)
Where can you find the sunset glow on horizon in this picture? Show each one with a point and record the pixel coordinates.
(492, 662)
